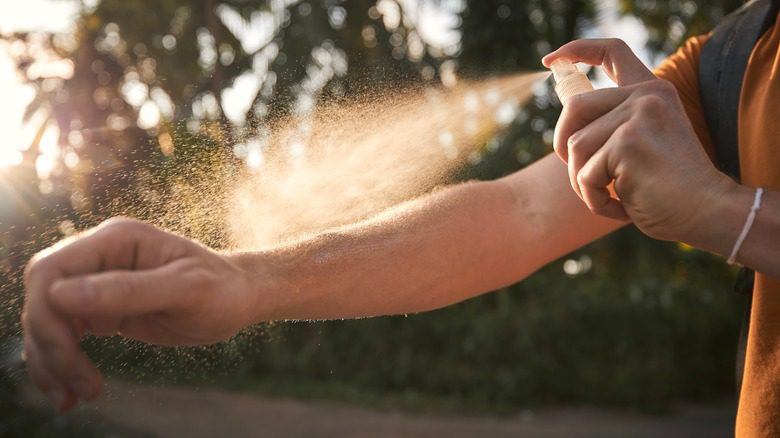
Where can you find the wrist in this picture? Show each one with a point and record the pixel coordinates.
(721, 218)
(264, 282)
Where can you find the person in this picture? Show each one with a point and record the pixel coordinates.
(635, 153)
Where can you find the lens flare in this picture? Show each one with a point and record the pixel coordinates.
(10, 157)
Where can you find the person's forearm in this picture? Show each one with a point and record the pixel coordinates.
(438, 250)
(722, 224)
(422, 255)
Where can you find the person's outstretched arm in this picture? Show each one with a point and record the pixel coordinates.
(429, 253)
(130, 278)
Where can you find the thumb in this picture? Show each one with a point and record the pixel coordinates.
(121, 293)
(614, 55)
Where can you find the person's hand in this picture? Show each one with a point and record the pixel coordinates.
(124, 277)
(639, 137)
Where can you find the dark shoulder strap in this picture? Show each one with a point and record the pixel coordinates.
(721, 68)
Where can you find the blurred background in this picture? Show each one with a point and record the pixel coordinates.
(108, 107)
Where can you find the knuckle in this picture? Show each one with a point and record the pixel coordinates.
(651, 104)
(559, 149)
(576, 104)
(203, 276)
(627, 134)
(616, 44)
(118, 221)
(205, 282)
(30, 271)
(33, 325)
(663, 87)
(36, 267)
(583, 178)
(25, 320)
(576, 143)
(122, 226)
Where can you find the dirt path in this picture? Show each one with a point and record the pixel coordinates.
(130, 410)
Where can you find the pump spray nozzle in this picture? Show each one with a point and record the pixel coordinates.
(568, 80)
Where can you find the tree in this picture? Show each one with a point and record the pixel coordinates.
(144, 109)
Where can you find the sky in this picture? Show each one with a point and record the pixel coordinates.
(59, 15)
(53, 16)
(14, 99)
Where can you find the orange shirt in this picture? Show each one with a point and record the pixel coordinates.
(759, 155)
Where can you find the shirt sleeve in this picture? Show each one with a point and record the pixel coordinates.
(682, 70)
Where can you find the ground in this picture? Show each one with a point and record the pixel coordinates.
(133, 410)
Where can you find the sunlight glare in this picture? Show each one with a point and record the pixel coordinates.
(10, 158)
(15, 98)
(49, 152)
(31, 15)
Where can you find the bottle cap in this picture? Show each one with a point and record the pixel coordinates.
(562, 68)
(569, 81)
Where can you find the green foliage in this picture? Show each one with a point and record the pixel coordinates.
(646, 324)
(501, 35)
(630, 331)
(670, 22)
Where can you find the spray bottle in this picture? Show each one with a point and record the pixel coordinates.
(568, 80)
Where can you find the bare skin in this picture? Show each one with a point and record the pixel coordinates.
(637, 137)
(130, 278)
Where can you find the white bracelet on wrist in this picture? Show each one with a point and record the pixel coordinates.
(748, 224)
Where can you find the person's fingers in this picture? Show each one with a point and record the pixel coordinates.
(61, 358)
(112, 295)
(91, 385)
(59, 396)
(58, 363)
(80, 327)
(587, 141)
(593, 180)
(614, 55)
(583, 109)
(114, 244)
(57, 342)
